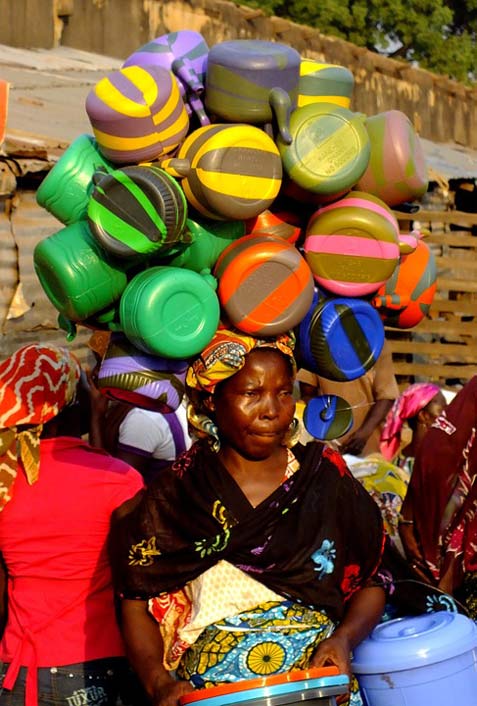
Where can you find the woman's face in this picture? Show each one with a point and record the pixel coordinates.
(254, 408)
(435, 406)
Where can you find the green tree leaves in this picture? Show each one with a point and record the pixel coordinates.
(439, 35)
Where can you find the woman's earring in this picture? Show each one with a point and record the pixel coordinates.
(293, 433)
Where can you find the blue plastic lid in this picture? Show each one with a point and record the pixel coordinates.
(325, 686)
(327, 417)
(413, 642)
(346, 337)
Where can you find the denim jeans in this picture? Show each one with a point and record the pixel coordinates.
(94, 683)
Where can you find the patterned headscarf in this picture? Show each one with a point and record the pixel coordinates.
(224, 356)
(36, 382)
(407, 405)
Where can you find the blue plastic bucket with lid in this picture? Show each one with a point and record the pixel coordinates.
(422, 660)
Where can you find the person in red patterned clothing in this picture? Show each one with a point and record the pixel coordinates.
(61, 643)
(439, 514)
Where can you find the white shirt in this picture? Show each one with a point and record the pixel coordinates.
(149, 433)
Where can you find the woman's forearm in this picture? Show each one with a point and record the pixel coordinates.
(144, 645)
(363, 613)
(407, 534)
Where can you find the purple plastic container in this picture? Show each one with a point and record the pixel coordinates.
(144, 380)
(419, 660)
(137, 114)
(185, 54)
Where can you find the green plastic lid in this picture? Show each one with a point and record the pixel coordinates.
(169, 311)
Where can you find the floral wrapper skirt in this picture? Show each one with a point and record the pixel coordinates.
(272, 638)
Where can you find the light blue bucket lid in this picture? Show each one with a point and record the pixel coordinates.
(413, 642)
(298, 691)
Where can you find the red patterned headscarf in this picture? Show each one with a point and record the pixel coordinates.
(36, 382)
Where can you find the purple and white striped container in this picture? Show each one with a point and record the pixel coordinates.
(141, 379)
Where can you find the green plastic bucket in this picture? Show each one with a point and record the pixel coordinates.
(78, 277)
(66, 189)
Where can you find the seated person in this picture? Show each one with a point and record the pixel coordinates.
(387, 485)
(145, 439)
(246, 530)
(439, 518)
(386, 475)
(408, 420)
(149, 441)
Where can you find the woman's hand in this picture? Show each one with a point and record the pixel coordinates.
(363, 612)
(145, 651)
(412, 551)
(334, 651)
(355, 443)
(168, 694)
(98, 405)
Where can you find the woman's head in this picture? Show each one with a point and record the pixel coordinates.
(253, 409)
(36, 383)
(427, 414)
(240, 391)
(418, 406)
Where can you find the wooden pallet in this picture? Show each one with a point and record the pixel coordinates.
(443, 347)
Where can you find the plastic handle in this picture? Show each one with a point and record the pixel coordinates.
(176, 167)
(327, 413)
(188, 75)
(68, 326)
(198, 107)
(99, 175)
(408, 242)
(210, 279)
(114, 326)
(281, 105)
